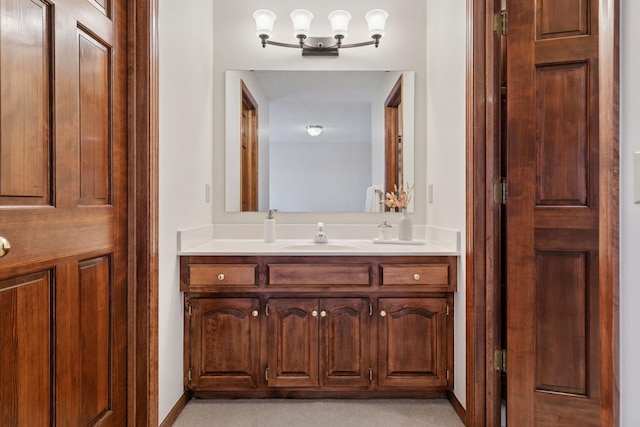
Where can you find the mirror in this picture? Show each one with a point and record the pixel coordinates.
(364, 148)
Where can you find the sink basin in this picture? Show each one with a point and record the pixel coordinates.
(319, 246)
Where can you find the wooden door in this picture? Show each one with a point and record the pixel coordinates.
(293, 342)
(553, 365)
(63, 208)
(225, 341)
(412, 347)
(344, 342)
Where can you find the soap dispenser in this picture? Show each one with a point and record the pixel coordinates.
(270, 227)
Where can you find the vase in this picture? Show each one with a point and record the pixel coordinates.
(405, 226)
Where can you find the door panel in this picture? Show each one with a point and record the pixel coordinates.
(293, 353)
(552, 213)
(25, 358)
(63, 206)
(226, 338)
(412, 342)
(344, 337)
(25, 170)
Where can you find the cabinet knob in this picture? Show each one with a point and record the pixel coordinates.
(254, 313)
(416, 276)
(383, 313)
(323, 313)
(220, 276)
(5, 246)
(314, 313)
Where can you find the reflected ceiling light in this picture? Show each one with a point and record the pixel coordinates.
(320, 46)
(314, 130)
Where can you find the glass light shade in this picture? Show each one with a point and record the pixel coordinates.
(301, 19)
(376, 19)
(264, 22)
(339, 22)
(314, 130)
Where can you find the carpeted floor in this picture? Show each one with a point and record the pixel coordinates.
(319, 413)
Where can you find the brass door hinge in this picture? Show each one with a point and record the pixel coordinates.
(500, 191)
(500, 21)
(500, 360)
(370, 374)
(189, 311)
(266, 310)
(447, 309)
(266, 374)
(189, 375)
(370, 309)
(447, 376)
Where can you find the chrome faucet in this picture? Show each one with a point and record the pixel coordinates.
(320, 236)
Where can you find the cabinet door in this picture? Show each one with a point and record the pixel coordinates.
(293, 342)
(344, 342)
(412, 342)
(225, 334)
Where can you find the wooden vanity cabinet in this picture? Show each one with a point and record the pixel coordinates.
(318, 326)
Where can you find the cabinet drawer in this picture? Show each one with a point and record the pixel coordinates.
(222, 274)
(319, 275)
(434, 276)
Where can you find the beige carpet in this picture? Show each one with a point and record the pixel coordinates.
(319, 413)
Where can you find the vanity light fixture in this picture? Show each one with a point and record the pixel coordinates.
(314, 130)
(320, 46)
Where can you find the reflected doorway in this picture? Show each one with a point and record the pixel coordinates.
(393, 139)
(248, 151)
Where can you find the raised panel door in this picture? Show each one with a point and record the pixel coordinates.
(63, 208)
(344, 342)
(293, 342)
(225, 338)
(412, 342)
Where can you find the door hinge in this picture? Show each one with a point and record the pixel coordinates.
(447, 309)
(370, 309)
(500, 21)
(500, 360)
(447, 376)
(189, 311)
(500, 191)
(370, 374)
(266, 309)
(266, 374)
(189, 375)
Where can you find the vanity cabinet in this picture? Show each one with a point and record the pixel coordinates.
(325, 326)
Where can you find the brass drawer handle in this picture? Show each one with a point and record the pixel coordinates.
(416, 276)
(220, 276)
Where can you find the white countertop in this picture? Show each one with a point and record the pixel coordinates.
(350, 247)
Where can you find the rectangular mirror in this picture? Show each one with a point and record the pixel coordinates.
(364, 148)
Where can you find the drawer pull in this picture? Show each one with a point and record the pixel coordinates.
(314, 313)
(254, 313)
(220, 276)
(323, 313)
(383, 313)
(416, 276)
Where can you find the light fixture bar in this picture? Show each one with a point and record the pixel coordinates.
(320, 46)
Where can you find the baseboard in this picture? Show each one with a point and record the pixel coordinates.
(172, 416)
(457, 406)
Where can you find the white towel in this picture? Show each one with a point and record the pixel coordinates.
(373, 198)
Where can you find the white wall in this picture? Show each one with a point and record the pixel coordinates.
(185, 165)
(446, 144)
(630, 215)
